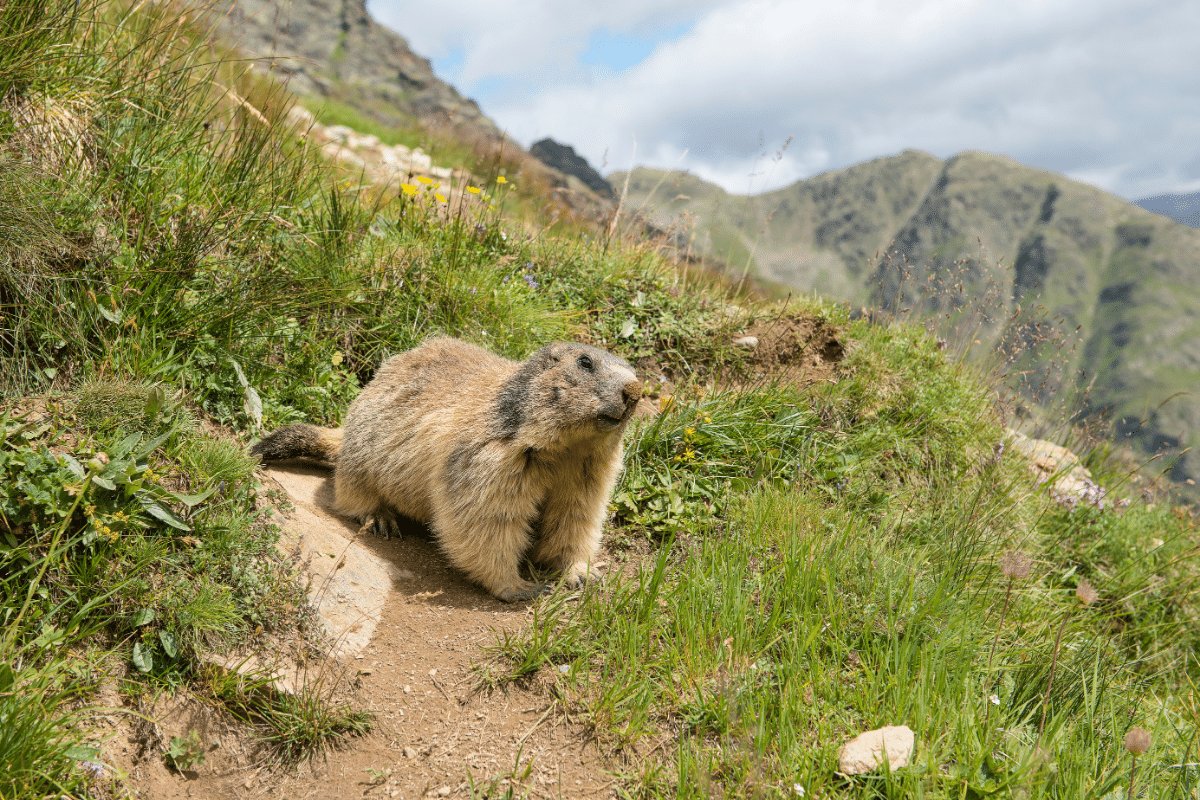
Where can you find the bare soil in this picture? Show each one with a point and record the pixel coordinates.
(800, 350)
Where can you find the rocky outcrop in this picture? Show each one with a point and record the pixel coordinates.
(564, 159)
(334, 48)
(376, 162)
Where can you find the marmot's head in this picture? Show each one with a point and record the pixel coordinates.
(568, 389)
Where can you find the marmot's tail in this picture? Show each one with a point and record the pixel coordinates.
(300, 441)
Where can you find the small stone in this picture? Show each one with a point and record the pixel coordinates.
(410, 752)
(748, 342)
(444, 791)
(866, 751)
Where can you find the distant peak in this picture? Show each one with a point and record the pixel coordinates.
(563, 158)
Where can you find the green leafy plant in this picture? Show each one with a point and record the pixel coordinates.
(186, 752)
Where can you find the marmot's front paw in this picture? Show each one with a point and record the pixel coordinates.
(579, 575)
(525, 590)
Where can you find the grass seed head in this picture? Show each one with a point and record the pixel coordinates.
(1137, 741)
(1086, 593)
(1015, 564)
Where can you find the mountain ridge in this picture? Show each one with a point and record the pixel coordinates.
(912, 229)
(317, 44)
(1183, 207)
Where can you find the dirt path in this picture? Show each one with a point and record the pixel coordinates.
(433, 731)
(407, 645)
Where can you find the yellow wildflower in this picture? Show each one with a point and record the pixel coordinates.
(425, 180)
(408, 188)
(473, 189)
(441, 198)
(501, 179)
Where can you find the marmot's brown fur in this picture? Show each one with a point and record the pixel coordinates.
(497, 456)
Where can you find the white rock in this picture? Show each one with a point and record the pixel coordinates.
(340, 133)
(396, 155)
(300, 117)
(748, 342)
(348, 591)
(338, 152)
(419, 162)
(866, 751)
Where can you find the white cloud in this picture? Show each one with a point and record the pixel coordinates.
(1099, 89)
(537, 39)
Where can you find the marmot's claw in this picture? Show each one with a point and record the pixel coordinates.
(579, 576)
(383, 523)
(525, 591)
(576, 581)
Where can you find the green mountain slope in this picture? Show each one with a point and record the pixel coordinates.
(1025, 248)
(816, 235)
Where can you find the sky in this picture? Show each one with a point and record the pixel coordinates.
(757, 94)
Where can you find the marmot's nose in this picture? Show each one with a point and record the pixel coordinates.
(631, 392)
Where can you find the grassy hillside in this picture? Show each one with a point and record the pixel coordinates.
(1049, 252)
(799, 559)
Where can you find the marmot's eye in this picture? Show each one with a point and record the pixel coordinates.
(585, 362)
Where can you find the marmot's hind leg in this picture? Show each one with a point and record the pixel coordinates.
(353, 499)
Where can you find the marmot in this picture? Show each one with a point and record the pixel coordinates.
(497, 456)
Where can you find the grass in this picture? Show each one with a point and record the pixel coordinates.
(832, 566)
(790, 565)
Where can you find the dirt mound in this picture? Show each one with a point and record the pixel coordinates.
(802, 350)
